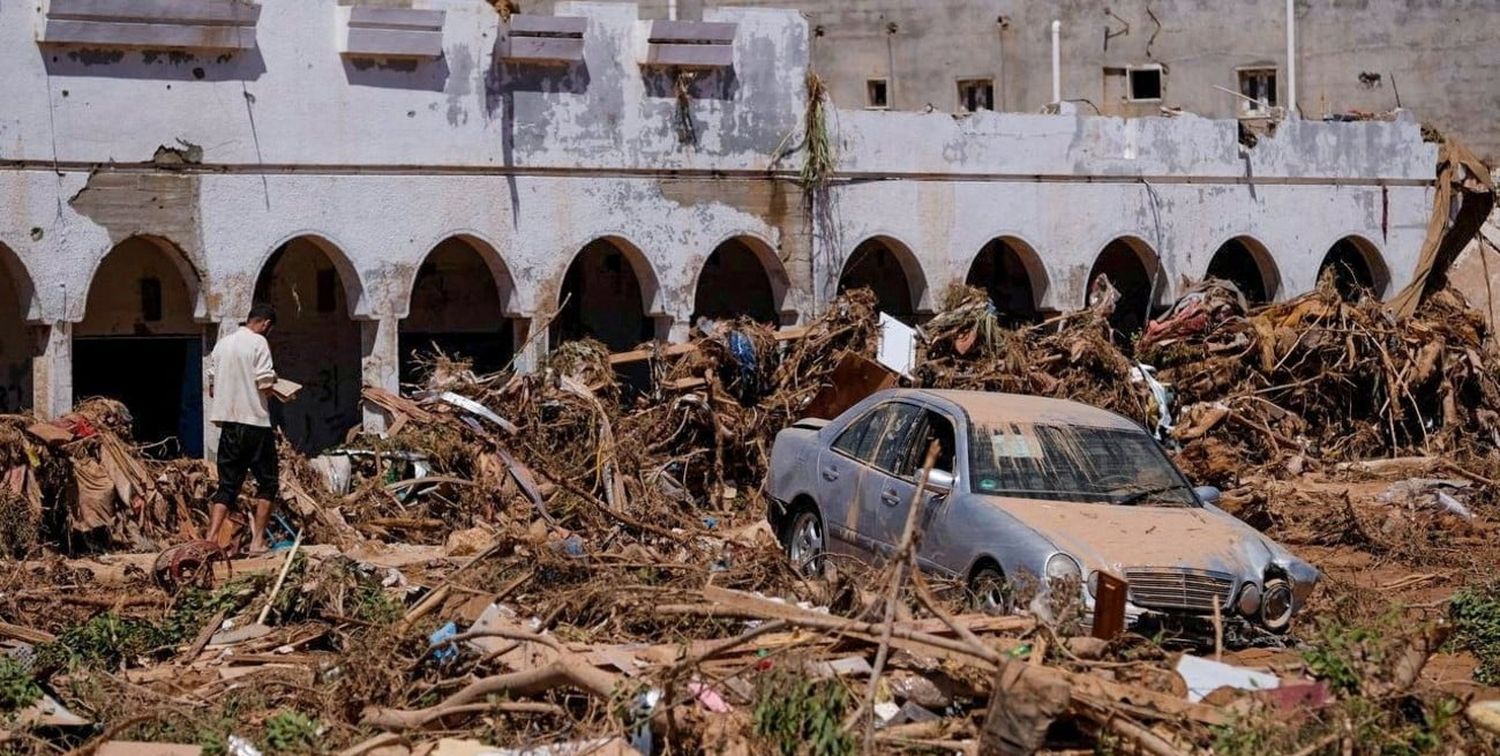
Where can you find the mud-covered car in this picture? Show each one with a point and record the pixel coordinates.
(1026, 488)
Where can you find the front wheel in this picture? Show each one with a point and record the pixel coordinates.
(804, 542)
(990, 592)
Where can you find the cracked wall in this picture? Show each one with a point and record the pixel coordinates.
(534, 164)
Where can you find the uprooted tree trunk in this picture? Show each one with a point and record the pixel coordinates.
(560, 673)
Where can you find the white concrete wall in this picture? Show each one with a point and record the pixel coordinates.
(382, 164)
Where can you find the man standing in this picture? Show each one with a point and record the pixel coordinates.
(240, 381)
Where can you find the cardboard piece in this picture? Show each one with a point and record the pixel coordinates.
(898, 345)
(853, 379)
(285, 390)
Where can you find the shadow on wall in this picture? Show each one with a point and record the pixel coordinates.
(429, 75)
(162, 65)
(713, 84)
(504, 79)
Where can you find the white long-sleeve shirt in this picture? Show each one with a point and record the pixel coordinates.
(238, 369)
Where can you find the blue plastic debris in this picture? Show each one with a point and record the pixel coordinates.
(446, 651)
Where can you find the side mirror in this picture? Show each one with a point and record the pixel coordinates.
(1208, 494)
(940, 481)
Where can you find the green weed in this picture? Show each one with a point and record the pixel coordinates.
(292, 732)
(799, 715)
(1475, 612)
(18, 689)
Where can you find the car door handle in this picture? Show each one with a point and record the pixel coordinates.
(830, 473)
(889, 497)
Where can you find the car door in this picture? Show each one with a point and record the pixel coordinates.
(885, 485)
(901, 474)
(839, 467)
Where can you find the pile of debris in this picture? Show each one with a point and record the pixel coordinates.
(557, 563)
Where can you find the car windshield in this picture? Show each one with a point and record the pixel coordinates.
(1073, 463)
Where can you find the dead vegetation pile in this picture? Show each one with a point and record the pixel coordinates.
(543, 559)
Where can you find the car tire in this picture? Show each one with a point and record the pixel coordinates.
(805, 541)
(990, 592)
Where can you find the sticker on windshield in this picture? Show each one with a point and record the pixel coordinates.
(1012, 445)
(989, 484)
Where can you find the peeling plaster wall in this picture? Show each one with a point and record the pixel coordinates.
(383, 162)
(1435, 56)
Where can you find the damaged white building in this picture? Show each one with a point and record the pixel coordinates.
(395, 178)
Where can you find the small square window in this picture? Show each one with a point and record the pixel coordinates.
(327, 283)
(876, 95)
(975, 95)
(1258, 85)
(1145, 83)
(151, 299)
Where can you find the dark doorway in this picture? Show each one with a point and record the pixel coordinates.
(875, 265)
(735, 283)
(603, 299)
(1001, 271)
(159, 379)
(1347, 267)
(456, 309)
(1237, 263)
(138, 343)
(16, 344)
(1128, 274)
(314, 343)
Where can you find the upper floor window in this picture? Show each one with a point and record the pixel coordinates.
(975, 95)
(1145, 84)
(1258, 85)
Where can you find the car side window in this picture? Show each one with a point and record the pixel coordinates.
(856, 439)
(893, 439)
(933, 427)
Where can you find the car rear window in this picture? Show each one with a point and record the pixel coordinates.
(1072, 463)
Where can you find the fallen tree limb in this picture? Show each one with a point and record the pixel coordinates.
(558, 674)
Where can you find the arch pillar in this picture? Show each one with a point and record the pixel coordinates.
(52, 370)
(379, 364)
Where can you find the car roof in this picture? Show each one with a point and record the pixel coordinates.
(993, 407)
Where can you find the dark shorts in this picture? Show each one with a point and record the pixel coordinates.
(246, 450)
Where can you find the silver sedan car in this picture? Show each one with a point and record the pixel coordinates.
(1026, 488)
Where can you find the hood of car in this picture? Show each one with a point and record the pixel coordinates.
(1112, 537)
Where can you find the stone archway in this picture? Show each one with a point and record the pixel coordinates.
(1354, 266)
(742, 277)
(889, 269)
(1011, 273)
(16, 344)
(316, 342)
(606, 295)
(459, 307)
(1135, 271)
(140, 343)
(1247, 264)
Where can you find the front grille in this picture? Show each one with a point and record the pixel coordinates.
(1172, 589)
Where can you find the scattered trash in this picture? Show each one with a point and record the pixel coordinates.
(606, 548)
(1204, 676)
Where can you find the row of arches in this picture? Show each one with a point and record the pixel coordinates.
(144, 334)
(1012, 273)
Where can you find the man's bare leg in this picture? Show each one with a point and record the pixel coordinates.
(258, 526)
(216, 515)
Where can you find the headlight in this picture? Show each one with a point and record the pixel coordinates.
(1276, 605)
(1249, 602)
(1094, 584)
(1061, 566)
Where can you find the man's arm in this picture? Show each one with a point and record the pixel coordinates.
(265, 372)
